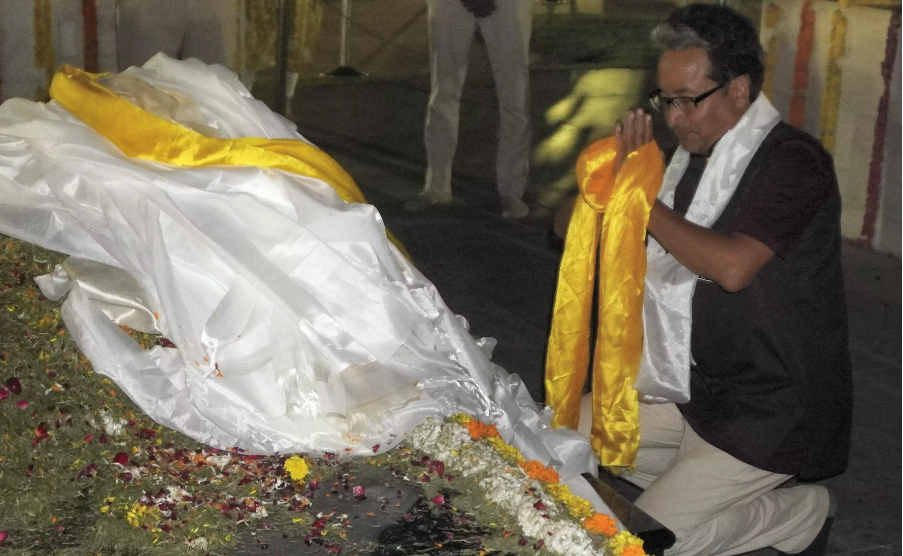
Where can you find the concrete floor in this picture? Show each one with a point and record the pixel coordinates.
(501, 275)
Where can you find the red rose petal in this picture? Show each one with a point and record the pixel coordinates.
(22, 404)
(438, 500)
(14, 385)
(121, 458)
(4, 393)
(3, 535)
(436, 467)
(358, 490)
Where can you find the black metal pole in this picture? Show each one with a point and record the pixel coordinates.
(285, 30)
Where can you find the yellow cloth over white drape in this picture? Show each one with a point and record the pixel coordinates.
(619, 238)
(140, 134)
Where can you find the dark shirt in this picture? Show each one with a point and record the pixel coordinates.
(770, 379)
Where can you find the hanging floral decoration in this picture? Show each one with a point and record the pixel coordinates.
(877, 163)
(89, 20)
(43, 43)
(830, 99)
(804, 42)
(773, 15)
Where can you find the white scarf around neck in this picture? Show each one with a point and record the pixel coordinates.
(664, 374)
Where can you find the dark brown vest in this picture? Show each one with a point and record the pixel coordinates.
(771, 382)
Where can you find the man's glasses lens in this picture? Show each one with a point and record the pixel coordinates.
(662, 103)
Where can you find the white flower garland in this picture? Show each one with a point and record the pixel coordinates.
(504, 485)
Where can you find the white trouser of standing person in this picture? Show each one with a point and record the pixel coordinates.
(506, 32)
(291, 83)
(180, 28)
(711, 501)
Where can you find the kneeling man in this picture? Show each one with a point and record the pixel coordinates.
(744, 287)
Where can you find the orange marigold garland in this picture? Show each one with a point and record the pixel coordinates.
(539, 472)
(601, 524)
(800, 82)
(633, 550)
(478, 430)
(621, 543)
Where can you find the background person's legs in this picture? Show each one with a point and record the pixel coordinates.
(204, 32)
(145, 27)
(451, 29)
(507, 36)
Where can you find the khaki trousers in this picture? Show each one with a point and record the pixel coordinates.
(506, 33)
(713, 502)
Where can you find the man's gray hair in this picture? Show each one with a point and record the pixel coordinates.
(665, 37)
(729, 39)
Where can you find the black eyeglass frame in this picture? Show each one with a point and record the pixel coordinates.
(662, 103)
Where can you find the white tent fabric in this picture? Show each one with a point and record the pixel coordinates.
(298, 326)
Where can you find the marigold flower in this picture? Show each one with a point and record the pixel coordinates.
(633, 550)
(619, 544)
(601, 524)
(462, 418)
(297, 468)
(539, 472)
(479, 430)
(505, 450)
(576, 506)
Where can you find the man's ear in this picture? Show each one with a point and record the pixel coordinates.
(738, 91)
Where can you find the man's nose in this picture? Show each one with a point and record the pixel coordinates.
(673, 116)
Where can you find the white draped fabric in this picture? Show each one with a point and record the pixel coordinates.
(298, 326)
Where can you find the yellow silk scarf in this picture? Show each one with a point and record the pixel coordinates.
(619, 237)
(140, 134)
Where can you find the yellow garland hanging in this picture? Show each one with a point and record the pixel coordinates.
(830, 99)
(43, 43)
(626, 200)
(773, 15)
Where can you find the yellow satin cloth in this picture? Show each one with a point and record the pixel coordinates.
(619, 238)
(140, 134)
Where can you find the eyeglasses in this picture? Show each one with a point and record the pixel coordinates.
(663, 103)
